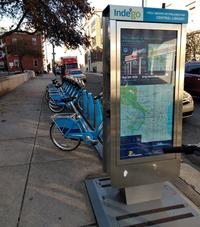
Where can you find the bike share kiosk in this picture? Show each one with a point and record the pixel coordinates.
(143, 74)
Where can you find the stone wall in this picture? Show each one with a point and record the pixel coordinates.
(9, 83)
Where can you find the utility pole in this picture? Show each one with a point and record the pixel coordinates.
(144, 3)
(53, 59)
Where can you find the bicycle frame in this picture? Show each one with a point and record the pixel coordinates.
(74, 126)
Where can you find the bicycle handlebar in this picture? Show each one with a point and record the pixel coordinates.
(184, 149)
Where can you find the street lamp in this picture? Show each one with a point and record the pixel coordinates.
(53, 59)
(144, 3)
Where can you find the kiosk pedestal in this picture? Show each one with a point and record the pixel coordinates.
(143, 74)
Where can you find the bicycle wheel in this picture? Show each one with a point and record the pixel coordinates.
(62, 143)
(55, 108)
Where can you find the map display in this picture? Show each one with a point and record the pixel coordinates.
(147, 72)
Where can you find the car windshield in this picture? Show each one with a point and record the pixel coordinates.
(71, 66)
(75, 72)
(193, 69)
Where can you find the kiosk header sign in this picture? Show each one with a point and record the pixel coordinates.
(148, 14)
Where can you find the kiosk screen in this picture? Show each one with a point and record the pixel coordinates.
(147, 72)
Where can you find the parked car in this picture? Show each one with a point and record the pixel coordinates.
(188, 105)
(77, 73)
(192, 77)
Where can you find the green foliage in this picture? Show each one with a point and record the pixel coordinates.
(60, 21)
(193, 45)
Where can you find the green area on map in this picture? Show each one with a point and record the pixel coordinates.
(147, 110)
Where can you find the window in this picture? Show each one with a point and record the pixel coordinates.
(93, 26)
(1, 64)
(16, 63)
(192, 68)
(34, 41)
(14, 40)
(35, 63)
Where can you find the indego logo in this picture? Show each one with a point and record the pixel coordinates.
(132, 13)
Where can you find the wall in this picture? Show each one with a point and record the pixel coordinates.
(97, 67)
(11, 82)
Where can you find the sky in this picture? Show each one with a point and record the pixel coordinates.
(148, 3)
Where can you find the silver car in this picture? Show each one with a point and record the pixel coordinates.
(188, 105)
(77, 73)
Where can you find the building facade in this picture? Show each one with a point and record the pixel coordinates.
(93, 55)
(193, 7)
(22, 51)
(2, 51)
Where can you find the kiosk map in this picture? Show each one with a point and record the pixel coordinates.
(147, 111)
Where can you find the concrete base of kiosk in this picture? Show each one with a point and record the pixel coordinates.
(172, 209)
(143, 193)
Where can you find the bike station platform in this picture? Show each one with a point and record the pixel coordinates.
(41, 185)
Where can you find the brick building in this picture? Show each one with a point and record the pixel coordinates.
(30, 59)
(2, 51)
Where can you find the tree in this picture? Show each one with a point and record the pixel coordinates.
(193, 45)
(23, 48)
(60, 21)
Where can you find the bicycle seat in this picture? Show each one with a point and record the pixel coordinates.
(69, 99)
(100, 95)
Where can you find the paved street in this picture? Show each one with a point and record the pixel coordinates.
(191, 126)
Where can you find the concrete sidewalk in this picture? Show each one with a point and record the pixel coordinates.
(41, 186)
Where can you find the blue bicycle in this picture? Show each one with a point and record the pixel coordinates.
(68, 130)
(59, 98)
